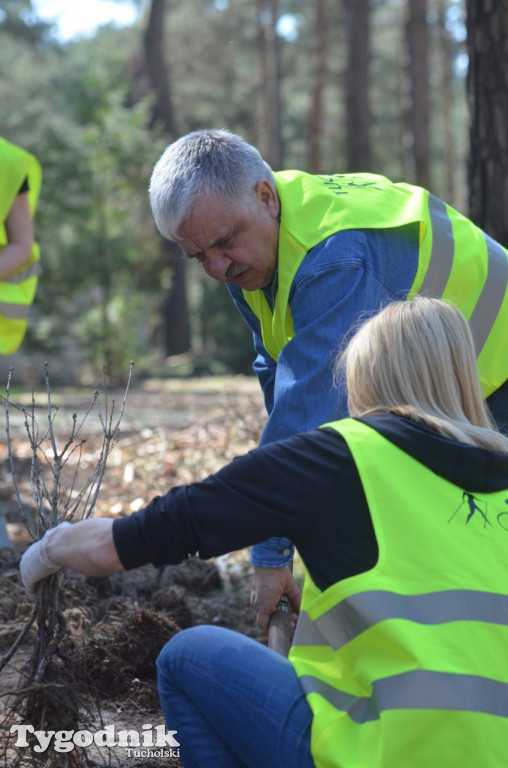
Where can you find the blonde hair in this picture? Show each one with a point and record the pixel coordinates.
(417, 358)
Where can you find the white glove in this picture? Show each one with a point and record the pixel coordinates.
(35, 563)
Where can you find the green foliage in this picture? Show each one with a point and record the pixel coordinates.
(94, 224)
(220, 335)
(83, 109)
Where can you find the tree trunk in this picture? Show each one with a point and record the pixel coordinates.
(316, 114)
(358, 114)
(487, 88)
(175, 310)
(267, 12)
(446, 102)
(156, 68)
(417, 113)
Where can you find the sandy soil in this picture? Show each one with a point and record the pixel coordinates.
(171, 433)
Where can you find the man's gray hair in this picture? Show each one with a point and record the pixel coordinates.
(213, 162)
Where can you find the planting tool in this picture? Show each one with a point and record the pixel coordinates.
(279, 628)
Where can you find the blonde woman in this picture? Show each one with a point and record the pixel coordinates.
(400, 515)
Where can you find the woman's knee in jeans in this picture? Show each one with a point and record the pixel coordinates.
(186, 645)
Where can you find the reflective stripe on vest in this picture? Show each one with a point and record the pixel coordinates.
(14, 311)
(493, 293)
(441, 257)
(32, 270)
(457, 260)
(440, 265)
(355, 614)
(408, 660)
(419, 689)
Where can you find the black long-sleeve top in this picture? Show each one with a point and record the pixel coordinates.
(307, 488)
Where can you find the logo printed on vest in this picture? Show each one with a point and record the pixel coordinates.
(472, 508)
(470, 505)
(502, 518)
(337, 183)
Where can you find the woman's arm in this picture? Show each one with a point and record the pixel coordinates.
(86, 547)
(19, 228)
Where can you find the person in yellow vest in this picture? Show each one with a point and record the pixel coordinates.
(20, 183)
(400, 515)
(303, 257)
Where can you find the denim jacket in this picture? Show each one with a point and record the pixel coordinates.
(342, 281)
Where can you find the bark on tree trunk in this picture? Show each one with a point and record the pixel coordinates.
(175, 310)
(487, 88)
(316, 113)
(417, 114)
(446, 102)
(358, 114)
(267, 12)
(156, 68)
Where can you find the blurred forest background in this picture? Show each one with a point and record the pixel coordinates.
(413, 89)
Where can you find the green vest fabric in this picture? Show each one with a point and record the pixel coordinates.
(405, 665)
(457, 260)
(17, 290)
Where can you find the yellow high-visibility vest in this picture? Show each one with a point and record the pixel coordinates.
(405, 665)
(457, 260)
(17, 289)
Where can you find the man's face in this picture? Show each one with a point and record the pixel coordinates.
(235, 243)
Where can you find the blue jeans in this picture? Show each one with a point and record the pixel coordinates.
(233, 702)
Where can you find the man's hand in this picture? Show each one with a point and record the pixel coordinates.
(268, 586)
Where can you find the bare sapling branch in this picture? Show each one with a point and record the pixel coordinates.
(59, 491)
(21, 507)
(62, 490)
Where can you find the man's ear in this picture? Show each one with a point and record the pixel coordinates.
(268, 197)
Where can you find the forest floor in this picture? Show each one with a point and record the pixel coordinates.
(172, 432)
